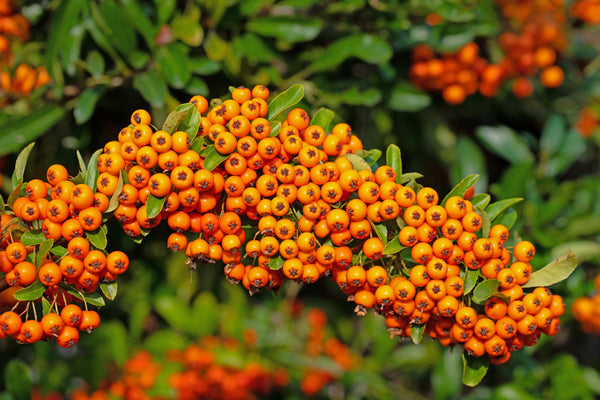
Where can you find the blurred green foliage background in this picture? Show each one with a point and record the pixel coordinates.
(108, 58)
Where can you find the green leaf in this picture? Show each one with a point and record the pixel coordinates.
(286, 28)
(59, 251)
(276, 262)
(370, 156)
(18, 131)
(393, 159)
(154, 205)
(98, 238)
(31, 292)
(109, 289)
(86, 103)
(284, 100)
(507, 218)
(91, 174)
(151, 86)
(496, 208)
(82, 166)
(95, 63)
(554, 272)
(137, 17)
(410, 176)
(416, 332)
(474, 369)
(17, 378)
(485, 290)
(94, 298)
(205, 308)
(369, 48)
(358, 163)
(461, 187)
(15, 194)
(406, 97)
(21, 164)
(323, 117)
(172, 62)
(393, 247)
(175, 311)
(213, 158)
(481, 200)
(190, 122)
(113, 202)
(485, 223)
(505, 143)
(118, 28)
(553, 135)
(32, 238)
(470, 280)
(46, 305)
(381, 231)
(2, 205)
(43, 251)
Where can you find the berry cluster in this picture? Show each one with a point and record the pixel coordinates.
(273, 201)
(58, 265)
(586, 310)
(586, 10)
(21, 79)
(531, 46)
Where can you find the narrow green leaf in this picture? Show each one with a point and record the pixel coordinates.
(406, 97)
(91, 175)
(485, 290)
(470, 280)
(275, 130)
(17, 378)
(461, 187)
(381, 231)
(32, 238)
(20, 164)
(213, 158)
(82, 166)
(507, 218)
(286, 28)
(556, 271)
(474, 369)
(284, 100)
(94, 298)
(2, 205)
(416, 332)
(31, 292)
(358, 163)
(154, 205)
(113, 203)
(59, 251)
(151, 86)
(276, 262)
(190, 122)
(481, 200)
(323, 117)
(46, 305)
(98, 237)
(505, 142)
(15, 194)
(187, 27)
(496, 208)
(109, 289)
(43, 251)
(95, 63)
(553, 135)
(485, 223)
(469, 159)
(86, 103)
(394, 159)
(393, 247)
(370, 156)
